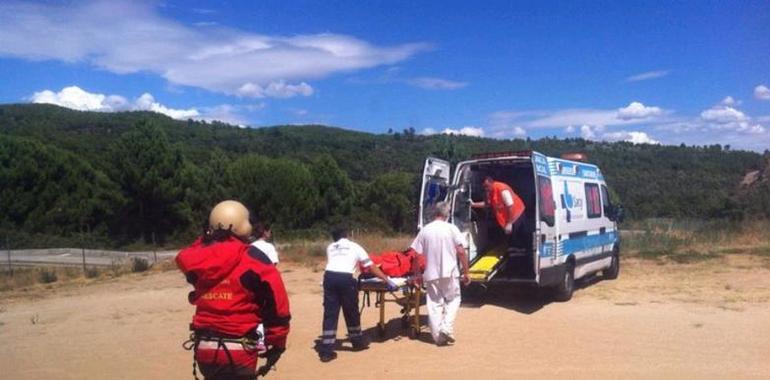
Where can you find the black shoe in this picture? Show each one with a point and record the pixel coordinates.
(327, 356)
(445, 339)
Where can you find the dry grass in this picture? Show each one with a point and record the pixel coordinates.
(312, 253)
(30, 278)
(690, 242)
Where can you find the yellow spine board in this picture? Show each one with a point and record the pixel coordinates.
(484, 265)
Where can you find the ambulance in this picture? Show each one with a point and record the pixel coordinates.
(570, 230)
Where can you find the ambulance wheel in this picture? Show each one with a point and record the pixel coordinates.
(563, 291)
(613, 270)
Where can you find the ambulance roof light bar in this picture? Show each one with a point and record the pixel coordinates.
(520, 153)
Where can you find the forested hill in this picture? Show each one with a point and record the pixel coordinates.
(126, 176)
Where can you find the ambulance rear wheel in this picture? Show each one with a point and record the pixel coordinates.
(566, 287)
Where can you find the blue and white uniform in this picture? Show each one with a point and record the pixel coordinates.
(341, 290)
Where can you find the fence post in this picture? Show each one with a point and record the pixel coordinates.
(8, 247)
(83, 248)
(154, 249)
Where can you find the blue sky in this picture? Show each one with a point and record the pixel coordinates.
(694, 73)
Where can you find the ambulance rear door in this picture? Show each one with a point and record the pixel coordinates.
(435, 187)
(545, 236)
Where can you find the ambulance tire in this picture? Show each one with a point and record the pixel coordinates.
(613, 270)
(563, 291)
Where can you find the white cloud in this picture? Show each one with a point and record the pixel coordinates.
(637, 110)
(634, 137)
(723, 115)
(587, 132)
(278, 89)
(464, 131)
(729, 101)
(647, 75)
(146, 102)
(76, 98)
(436, 83)
(225, 113)
(635, 113)
(128, 37)
(761, 92)
(599, 133)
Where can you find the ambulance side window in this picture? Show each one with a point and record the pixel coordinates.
(547, 205)
(606, 202)
(593, 200)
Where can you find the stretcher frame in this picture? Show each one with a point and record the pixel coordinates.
(409, 299)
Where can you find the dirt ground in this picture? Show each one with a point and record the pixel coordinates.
(705, 320)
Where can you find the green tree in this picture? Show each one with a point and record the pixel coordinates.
(279, 191)
(151, 173)
(335, 189)
(45, 189)
(391, 197)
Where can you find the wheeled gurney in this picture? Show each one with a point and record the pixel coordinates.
(408, 296)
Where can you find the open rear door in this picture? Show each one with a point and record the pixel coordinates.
(435, 186)
(545, 235)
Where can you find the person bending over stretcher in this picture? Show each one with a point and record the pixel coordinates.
(505, 204)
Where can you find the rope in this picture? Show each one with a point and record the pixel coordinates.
(192, 345)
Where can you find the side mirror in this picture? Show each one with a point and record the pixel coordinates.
(618, 214)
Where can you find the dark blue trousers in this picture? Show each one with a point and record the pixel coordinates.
(340, 290)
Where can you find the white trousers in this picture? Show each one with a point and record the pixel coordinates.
(443, 302)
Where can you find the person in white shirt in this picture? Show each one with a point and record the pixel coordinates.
(263, 233)
(442, 245)
(341, 290)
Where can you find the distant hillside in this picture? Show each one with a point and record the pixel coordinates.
(203, 161)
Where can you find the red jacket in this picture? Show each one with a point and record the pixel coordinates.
(237, 287)
(495, 201)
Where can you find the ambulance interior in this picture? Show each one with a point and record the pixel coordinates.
(492, 252)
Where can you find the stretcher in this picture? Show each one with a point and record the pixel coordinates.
(485, 267)
(408, 296)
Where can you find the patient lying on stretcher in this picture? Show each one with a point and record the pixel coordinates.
(396, 264)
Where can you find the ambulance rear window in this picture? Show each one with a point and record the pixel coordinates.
(546, 197)
(593, 200)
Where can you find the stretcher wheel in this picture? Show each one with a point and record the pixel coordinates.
(413, 333)
(380, 330)
(405, 322)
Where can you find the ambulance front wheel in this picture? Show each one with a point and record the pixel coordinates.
(566, 287)
(613, 270)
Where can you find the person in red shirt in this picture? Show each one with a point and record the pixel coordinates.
(504, 203)
(236, 287)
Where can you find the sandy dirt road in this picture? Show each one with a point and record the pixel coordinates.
(706, 320)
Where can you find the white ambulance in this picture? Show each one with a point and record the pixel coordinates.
(570, 227)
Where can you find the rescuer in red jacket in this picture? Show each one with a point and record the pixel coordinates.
(237, 287)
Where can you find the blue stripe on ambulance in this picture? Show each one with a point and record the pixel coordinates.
(589, 245)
